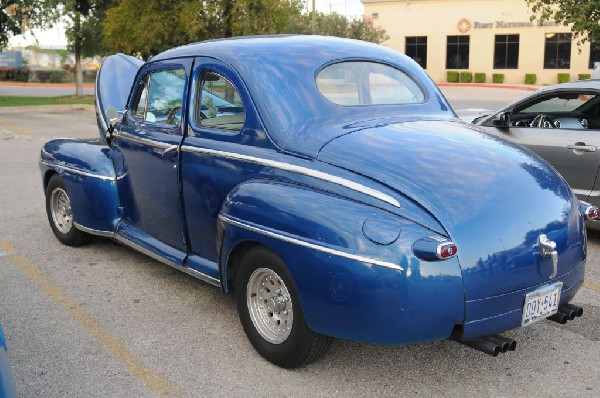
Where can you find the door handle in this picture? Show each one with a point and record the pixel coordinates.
(169, 149)
(582, 148)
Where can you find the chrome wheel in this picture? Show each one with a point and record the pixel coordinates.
(269, 305)
(60, 208)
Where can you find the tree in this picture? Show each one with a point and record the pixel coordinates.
(83, 32)
(145, 27)
(334, 24)
(10, 21)
(83, 18)
(583, 16)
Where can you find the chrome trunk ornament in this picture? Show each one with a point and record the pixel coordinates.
(548, 249)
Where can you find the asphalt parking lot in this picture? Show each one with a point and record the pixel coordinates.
(103, 320)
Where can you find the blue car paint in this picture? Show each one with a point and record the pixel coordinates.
(341, 297)
(87, 170)
(446, 180)
(7, 381)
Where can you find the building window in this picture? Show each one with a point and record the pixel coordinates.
(557, 54)
(416, 48)
(506, 52)
(594, 54)
(457, 52)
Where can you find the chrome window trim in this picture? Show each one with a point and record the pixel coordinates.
(76, 171)
(98, 110)
(586, 192)
(91, 231)
(296, 169)
(309, 245)
(190, 271)
(146, 141)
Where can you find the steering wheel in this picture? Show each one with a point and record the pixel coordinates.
(172, 113)
(543, 121)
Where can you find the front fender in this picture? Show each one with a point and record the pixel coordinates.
(356, 279)
(86, 169)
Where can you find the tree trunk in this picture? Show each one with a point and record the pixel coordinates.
(78, 67)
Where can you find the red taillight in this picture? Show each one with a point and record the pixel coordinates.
(446, 250)
(591, 212)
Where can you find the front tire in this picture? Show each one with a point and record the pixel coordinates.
(60, 214)
(270, 312)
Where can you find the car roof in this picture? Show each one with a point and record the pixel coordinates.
(279, 72)
(276, 47)
(580, 84)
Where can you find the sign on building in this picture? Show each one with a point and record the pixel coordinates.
(11, 59)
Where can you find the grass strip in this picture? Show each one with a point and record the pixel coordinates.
(10, 100)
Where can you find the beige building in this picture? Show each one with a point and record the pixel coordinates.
(485, 36)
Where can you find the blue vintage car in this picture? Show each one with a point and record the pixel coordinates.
(330, 186)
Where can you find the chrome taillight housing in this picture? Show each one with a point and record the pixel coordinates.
(434, 249)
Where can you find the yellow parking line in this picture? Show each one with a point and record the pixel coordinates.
(593, 286)
(128, 358)
(15, 127)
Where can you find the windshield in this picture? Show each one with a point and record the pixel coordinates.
(367, 83)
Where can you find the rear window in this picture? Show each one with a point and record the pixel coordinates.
(367, 83)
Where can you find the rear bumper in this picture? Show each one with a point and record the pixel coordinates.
(497, 314)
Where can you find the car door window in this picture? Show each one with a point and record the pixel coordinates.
(220, 105)
(560, 103)
(574, 110)
(160, 97)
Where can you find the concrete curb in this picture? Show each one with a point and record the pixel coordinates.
(49, 85)
(48, 108)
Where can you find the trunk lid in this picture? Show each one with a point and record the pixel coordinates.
(494, 198)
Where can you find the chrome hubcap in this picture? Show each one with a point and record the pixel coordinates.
(270, 305)
(60, 207)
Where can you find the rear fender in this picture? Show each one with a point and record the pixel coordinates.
(352, 264)
(87, 171)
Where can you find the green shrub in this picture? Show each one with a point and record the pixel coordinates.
(584, 76)
(498, 77)
(56, 76)
(563, 77)
(530, 78)
(466, 77)
(89, 76)
(480, 78)
(452, 76)
(13, 74)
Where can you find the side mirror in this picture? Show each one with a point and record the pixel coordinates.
(113, 116)
(501, 120)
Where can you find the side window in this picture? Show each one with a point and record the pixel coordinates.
(571, 110)
(160, 97)
(220, 105)
(562, 103)
(141, 103)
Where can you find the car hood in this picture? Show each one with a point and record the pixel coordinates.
(113, 85)
(492, 197)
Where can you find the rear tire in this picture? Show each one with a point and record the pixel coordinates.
(60, 214)
(270, 312)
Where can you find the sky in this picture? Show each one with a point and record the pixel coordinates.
(55, 37)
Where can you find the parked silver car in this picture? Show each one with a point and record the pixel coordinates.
(561, 123)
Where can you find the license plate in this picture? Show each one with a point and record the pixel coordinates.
(541, 304)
